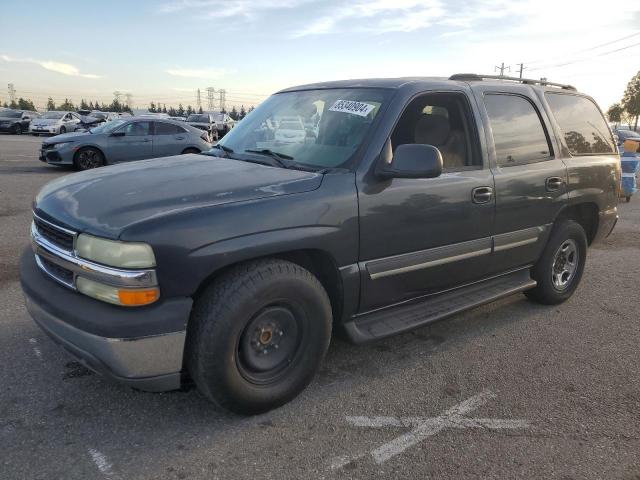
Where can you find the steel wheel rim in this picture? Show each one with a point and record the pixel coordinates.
(88, 159)
(269, 344)
(565, 264)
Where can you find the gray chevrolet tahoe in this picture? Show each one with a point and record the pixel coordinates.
(403, 202)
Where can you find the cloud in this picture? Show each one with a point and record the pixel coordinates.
(58, 67)
(207, 73)
(227, 9)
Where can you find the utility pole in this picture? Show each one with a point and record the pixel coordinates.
(521, 68)
(198, 100)
(210, 99)
(502, 68)
(223, 99)
(12, 93)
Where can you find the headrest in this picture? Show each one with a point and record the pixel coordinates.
(432, 130)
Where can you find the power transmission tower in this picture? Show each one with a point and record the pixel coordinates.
(210, 100)
(521, 68)
(129, 98)
(198, 100)
(502, 68)
(223, 99)
(12, 93)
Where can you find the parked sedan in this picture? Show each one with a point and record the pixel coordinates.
(16, 121)
(123, 140)
(54, 122)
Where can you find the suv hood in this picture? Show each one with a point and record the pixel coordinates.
(106, 200)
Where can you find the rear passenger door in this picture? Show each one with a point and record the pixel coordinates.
(168, 139)
(530, 178)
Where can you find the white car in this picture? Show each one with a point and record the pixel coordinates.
(54, 123)
(290, 131)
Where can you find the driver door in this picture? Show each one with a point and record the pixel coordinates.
(424, 235)
(135, 144)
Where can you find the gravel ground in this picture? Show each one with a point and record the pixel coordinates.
(562, 382)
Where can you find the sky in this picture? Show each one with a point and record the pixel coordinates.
(164, 50)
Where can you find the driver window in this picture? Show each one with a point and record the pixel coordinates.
(136, 129)
(440, 120)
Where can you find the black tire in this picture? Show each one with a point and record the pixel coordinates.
(17, 130)
(557, 278)
(190, 150)
(628, 198)
(87, 158)
(267, 307)
(63, 130)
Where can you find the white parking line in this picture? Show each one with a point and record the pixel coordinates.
(425, 427)
(36, 349)
(101, 462)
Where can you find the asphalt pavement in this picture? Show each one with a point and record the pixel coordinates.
(508, 390)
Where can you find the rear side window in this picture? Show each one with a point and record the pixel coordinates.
(582, 124)
(518, 134)
(167, 129)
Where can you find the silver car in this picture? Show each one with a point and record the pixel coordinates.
(54, 122)
(123, 140)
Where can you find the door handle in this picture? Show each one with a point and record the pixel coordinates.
(146, 140)
(180, 137)
(553, 183)
(481, 194)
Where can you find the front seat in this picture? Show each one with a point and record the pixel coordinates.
(435, 130)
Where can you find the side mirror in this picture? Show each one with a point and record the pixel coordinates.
(117, 134)
(26, 118)
(411, 160)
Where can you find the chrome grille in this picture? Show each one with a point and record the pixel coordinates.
(60, 237)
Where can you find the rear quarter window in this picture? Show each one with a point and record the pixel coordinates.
(582, 124)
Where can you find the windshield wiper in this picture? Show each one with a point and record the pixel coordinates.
(281, 159)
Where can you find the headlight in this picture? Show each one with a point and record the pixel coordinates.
(115, 254)
(61, 144)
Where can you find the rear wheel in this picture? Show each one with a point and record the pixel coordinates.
(87, 158)
(559, 269)
(190, 150)
(257, 335)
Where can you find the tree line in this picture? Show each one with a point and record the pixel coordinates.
(628, 109)
(68, 105)
(234, 113)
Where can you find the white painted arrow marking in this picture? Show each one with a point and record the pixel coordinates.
(425, 427)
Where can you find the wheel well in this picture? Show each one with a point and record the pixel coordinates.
(586, 214)
(318, 262)
(191, 149)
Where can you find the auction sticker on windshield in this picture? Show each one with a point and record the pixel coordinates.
(351, 106)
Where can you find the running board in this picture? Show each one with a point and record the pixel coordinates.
(397, 319)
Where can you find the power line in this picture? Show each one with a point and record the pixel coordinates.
(587, 49)
(587, 58)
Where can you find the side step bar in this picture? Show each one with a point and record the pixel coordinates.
(397, 319)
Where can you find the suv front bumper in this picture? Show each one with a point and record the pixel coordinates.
(108, 339)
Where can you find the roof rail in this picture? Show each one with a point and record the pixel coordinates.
(527, 81)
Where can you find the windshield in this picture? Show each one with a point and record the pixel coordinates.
(53, 115)
(10, 114)
(198, 118)
(332, 124)
(108, 126)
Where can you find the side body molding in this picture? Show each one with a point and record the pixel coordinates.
(408, 262)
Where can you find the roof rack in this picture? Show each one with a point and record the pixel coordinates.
(526, 81)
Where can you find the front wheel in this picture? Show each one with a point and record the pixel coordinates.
(63, 130)
(87, 158)
(17, 129)
(257, 335)
(559, 269)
